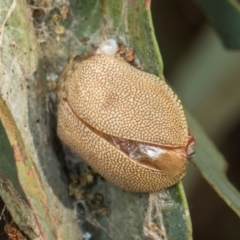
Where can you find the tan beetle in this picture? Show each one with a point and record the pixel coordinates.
(126, 124)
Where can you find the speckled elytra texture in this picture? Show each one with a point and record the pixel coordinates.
(119, 100)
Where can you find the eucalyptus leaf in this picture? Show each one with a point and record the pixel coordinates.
(224, 15)
(213, 166)
(33, 190)
(130, 23)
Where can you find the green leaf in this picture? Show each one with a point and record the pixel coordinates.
(32, 189)
(165, 213)
(130, 23)
(225, 17)
(213, 166)
(11, 190)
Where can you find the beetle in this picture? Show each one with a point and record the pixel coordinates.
(127, 124)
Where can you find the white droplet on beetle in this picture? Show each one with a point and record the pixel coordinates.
(104, 102)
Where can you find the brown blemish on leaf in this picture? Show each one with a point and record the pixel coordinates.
(148, 4)
(18, 153)
(64, 12)
(13, 232)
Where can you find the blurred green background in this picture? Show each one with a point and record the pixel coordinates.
(205, 75)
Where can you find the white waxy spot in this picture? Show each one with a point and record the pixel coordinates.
(108, 47)
(87, 236)
(151, 151)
